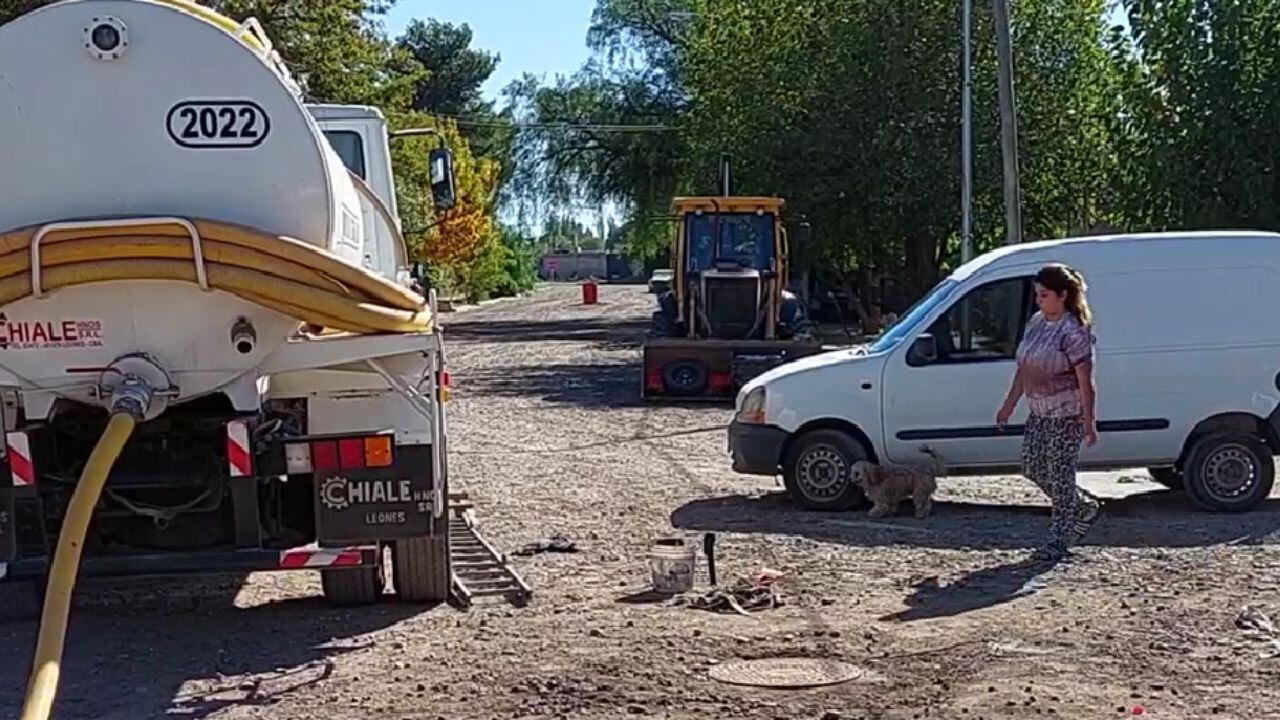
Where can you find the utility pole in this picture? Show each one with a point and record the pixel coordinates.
(1008, 126)
(966, 135)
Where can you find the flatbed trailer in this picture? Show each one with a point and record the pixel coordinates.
(712, 370)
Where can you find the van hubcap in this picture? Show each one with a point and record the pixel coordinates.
(1230, 472)
(822, 473)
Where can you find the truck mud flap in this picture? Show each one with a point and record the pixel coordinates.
(8, 527)
(363, 504)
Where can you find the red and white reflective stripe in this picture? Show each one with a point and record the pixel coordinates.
(309, 557)
(19, 454)
(239, 459)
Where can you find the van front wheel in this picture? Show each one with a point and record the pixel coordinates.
(1229, 472)
(818, 471)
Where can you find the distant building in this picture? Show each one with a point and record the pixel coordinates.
(598, 264)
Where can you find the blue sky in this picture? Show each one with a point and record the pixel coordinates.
(543, 37)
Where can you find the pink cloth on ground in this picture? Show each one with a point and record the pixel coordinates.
(1048, 356)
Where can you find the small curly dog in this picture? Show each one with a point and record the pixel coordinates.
(886, 486)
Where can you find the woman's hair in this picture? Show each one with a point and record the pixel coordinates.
(1062, 279)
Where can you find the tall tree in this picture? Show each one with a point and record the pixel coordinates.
(456, 71)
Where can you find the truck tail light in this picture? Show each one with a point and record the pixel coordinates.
(653, 380)
(333, 454)
(297, 458)
(351, 452)
(446, 386)
(720, 382)
(377, 451)
(324, 456)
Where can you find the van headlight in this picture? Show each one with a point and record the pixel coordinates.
(751, 410)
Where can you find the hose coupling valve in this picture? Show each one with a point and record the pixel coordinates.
(133, 396)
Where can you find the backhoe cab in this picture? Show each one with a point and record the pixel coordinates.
(728, 315)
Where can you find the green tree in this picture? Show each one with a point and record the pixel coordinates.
(1200, 132)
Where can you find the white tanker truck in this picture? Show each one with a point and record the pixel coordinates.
(195, 260)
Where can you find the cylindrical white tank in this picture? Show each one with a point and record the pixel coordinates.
(113, 108)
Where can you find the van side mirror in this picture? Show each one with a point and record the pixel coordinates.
(924, 350)
(440, 163)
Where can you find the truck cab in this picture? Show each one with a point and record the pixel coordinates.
(359, 135)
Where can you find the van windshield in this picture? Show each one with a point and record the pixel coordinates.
(908, 322)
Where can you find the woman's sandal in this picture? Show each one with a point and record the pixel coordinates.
(1087, 515)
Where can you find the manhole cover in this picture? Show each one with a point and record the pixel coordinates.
(785, 672)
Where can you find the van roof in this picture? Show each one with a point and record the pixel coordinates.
(1046, 249)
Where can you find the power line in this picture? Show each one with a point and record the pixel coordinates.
(593, 127)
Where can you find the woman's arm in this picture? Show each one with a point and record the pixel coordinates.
(1088, 398)
(1011, 398)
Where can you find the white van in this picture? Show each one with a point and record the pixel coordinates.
(1187, 371)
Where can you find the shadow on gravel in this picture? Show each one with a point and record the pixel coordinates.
(602, 386)
(124, 663)
(976, 590)
(607, 333)
(1157, 519)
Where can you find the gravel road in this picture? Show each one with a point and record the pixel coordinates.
(549, 436)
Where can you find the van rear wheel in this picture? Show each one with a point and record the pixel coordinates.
(1229, 471)
(818, 471)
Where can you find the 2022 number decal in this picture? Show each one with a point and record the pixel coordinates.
(218, 124)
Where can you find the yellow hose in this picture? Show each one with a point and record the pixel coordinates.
(284, 274)
(66, 562)
(281, 273)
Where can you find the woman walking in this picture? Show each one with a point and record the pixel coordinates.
(1055, 373)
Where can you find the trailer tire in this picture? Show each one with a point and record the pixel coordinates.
(352, 586)
(685, 377)
(421, 569)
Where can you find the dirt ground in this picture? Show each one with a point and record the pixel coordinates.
(546, 426)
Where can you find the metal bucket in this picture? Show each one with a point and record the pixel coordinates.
(672, 565)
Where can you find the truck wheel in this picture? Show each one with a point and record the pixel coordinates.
(818, 471)
(352, 586)
(1168, 477)
(421, 569)
(1229, 471)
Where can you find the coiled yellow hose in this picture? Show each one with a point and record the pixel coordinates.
(281, 273)
(284, 274)
(46, 666)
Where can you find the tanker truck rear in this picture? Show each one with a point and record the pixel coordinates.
(187, 243)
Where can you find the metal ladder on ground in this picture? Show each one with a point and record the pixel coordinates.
(478, 569)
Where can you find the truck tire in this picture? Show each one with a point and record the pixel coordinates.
(818, 471)
(421, 569)
(352, 586)
(1229, 471)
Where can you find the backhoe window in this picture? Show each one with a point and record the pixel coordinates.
(743, 238)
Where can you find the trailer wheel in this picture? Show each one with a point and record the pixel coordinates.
(1229, 471)
(353, 586)
(421, 569)
(685, 377)
(818, 471)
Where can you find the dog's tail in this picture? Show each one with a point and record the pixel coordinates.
(935, 458)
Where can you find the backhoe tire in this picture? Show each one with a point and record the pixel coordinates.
(421, 569)
(352, 586)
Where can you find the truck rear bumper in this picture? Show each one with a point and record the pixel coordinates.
(211, 561)
(756, 449)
